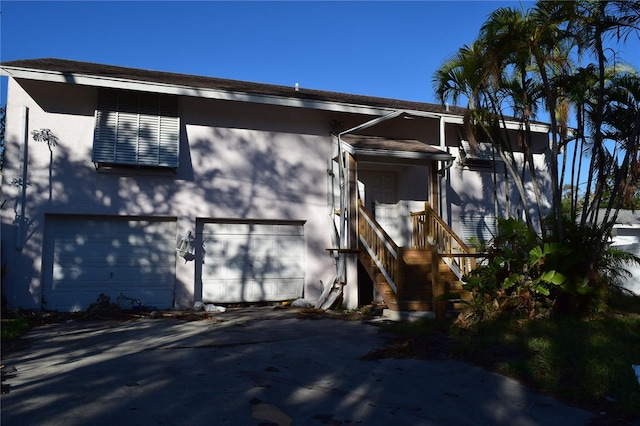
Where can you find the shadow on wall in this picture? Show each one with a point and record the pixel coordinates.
(257, 181)
(219, 176)
(474, 199)
(126, 258)
(472, 203)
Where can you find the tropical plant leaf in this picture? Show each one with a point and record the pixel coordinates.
(538, 253)
(539, 288)
(553, 277)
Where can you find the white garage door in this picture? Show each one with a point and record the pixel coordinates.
(116, 256)
(252, 262)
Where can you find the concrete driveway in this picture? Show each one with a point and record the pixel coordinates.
(254, 366)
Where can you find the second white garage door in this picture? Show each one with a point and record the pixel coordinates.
(252, 262)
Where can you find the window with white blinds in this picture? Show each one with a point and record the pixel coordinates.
(136, 128)
(478, 227)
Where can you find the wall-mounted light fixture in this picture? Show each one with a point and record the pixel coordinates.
(185, 246)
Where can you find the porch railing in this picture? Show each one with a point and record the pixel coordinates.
(429, 229)
(384, 252)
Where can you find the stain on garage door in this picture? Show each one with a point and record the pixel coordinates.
(85, 256)
(251, 261)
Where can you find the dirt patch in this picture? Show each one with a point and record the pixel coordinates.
(437, 345)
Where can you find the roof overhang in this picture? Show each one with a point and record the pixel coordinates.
(200, 92)
(98, 75)
(181, 90)
(380, 149)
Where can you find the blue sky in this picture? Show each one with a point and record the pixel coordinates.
(388, 49)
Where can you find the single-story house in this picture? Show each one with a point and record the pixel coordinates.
(164, 189)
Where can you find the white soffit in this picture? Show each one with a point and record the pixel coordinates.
(118, 83)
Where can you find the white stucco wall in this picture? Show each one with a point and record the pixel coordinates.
(471, 191)
(237, 163)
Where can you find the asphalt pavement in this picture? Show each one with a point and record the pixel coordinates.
(252, 366)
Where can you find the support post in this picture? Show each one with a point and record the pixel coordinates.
(435, 187)
(400, 275)
(21, 221)
(352, 183)
(437, 287)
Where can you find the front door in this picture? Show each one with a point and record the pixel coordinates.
(380, 198)
(380, 187)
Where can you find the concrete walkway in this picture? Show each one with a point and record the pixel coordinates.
(254, 366)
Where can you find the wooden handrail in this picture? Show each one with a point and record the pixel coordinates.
(384, 252)
(429, 229)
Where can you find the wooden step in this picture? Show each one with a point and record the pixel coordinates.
(415, 305)
(416, 257)
(417, 295)
(455, 287)
(385, 290)
(417, 292)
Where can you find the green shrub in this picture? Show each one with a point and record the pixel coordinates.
(524, 275)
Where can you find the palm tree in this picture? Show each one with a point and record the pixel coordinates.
(522, 62)
(591, 24)
(509, 36)
(621, 123)
(464, 75)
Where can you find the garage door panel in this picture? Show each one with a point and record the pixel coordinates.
(233, 291)
(111, 288)
(254, 229)
(248, 262)
(291, 268)
(290, 251)
(257, 268)
(88, 256)
(93, 257)
(287, 286)
(262, 247)
(80, 300)
(134, 274)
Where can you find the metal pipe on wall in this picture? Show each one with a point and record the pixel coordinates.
(22, 180)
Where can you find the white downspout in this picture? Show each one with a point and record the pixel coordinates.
(22, 196)
(444, 172)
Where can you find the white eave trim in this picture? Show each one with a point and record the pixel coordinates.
(401, 155)
(408, 155)
(170, 89)
(199, 92)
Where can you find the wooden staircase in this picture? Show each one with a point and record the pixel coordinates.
(411, 279)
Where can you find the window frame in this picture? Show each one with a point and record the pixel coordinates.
(484, 156)
(136, 129)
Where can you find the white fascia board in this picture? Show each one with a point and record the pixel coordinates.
(347, 148)
(408, 155)
(402, 155)
(511, 125)
(535, 127)
(171, 89)
(453, 119)
(116, 83)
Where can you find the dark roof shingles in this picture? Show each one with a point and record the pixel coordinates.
(387, 144)
(87, 68)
